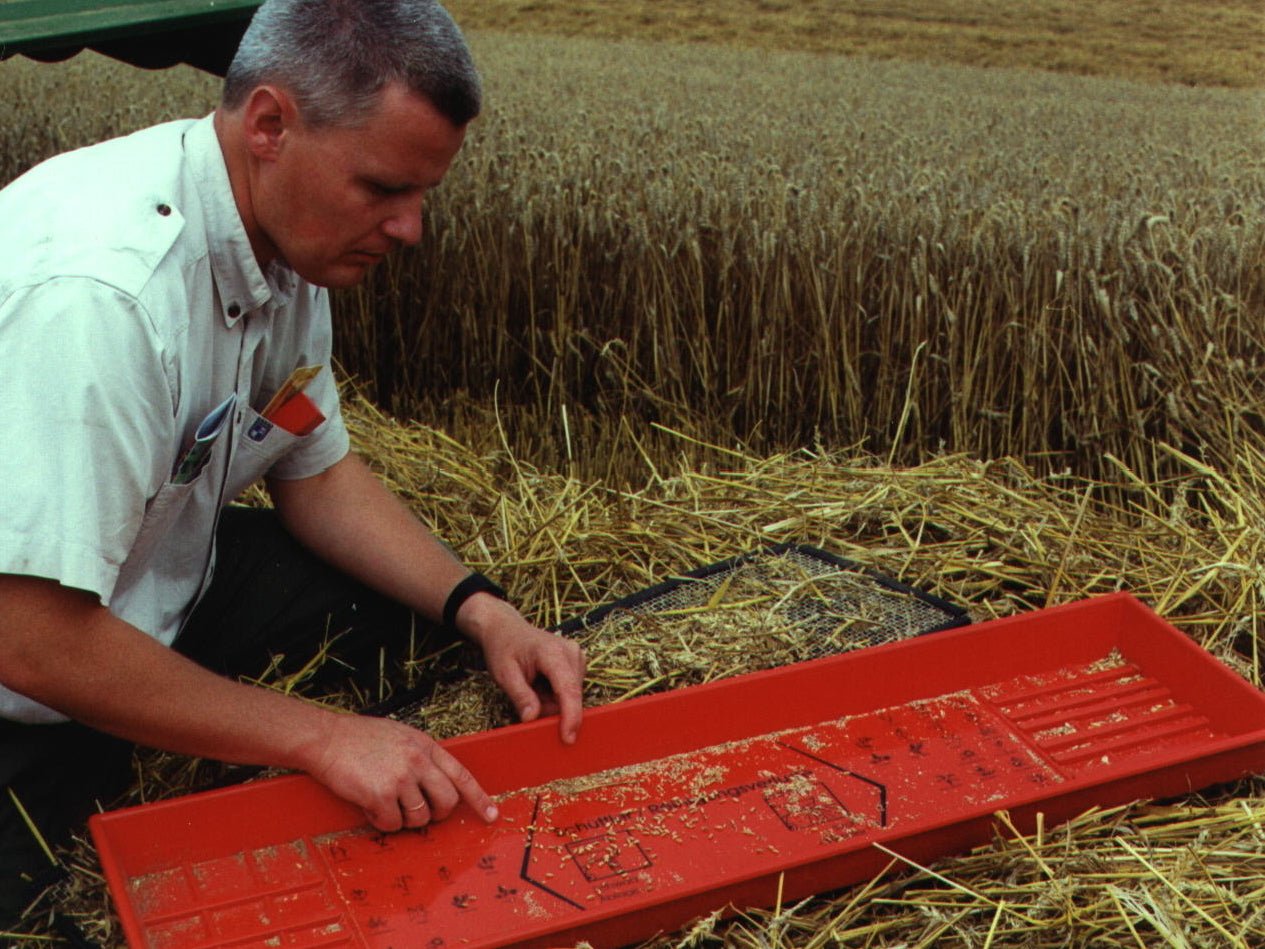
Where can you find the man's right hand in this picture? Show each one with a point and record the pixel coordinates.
(399, 776)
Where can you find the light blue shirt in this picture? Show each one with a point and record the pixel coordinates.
(131, 308)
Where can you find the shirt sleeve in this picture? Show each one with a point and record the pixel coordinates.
(86, 421)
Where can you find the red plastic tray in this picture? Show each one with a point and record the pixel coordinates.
(730, 793)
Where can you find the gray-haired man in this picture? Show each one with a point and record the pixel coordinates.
(156, 292)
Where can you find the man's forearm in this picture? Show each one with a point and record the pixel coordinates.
(347, 516)
(64, 650)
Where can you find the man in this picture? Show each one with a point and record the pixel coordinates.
(156, 291)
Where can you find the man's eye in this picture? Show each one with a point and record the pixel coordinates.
(384, 190)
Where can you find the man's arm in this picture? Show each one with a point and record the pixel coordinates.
(60, 647)
(349, 517)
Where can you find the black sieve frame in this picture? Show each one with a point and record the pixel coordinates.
(955, 615)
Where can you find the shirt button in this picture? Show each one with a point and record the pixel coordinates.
(234, 311)
(164, 209)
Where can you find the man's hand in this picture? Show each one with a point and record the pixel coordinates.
(399, 776)
(543, 674)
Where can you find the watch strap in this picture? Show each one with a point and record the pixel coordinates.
(475, 583)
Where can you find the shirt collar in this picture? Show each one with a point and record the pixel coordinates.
(242, 285)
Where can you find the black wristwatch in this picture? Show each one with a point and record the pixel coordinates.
(475, 583)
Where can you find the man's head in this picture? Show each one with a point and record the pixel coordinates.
(336, 56)
(337, 117)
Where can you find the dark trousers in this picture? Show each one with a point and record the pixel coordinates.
(269, 598)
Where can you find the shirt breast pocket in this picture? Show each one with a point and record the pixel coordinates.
(260, 444)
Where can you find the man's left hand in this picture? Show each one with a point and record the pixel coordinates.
(541, 672)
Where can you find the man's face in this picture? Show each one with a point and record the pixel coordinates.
(336, 200)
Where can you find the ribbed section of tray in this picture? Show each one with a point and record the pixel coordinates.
(1085, 719)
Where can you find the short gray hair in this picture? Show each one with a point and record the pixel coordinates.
(335, 56)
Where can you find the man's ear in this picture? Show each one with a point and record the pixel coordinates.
(269, 114)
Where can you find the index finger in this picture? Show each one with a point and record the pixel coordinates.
(470, 790)
(566, 675)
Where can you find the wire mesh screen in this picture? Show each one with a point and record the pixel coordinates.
(765, 609)
(794, 598)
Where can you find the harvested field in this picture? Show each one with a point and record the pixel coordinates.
(1166, 40)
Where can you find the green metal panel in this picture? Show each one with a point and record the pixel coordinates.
(146, 32)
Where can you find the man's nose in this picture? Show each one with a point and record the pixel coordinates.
(405, 224)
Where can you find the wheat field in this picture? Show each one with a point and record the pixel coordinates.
(802, 249)
(797, 249)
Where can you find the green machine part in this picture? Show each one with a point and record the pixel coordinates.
(150, 33)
